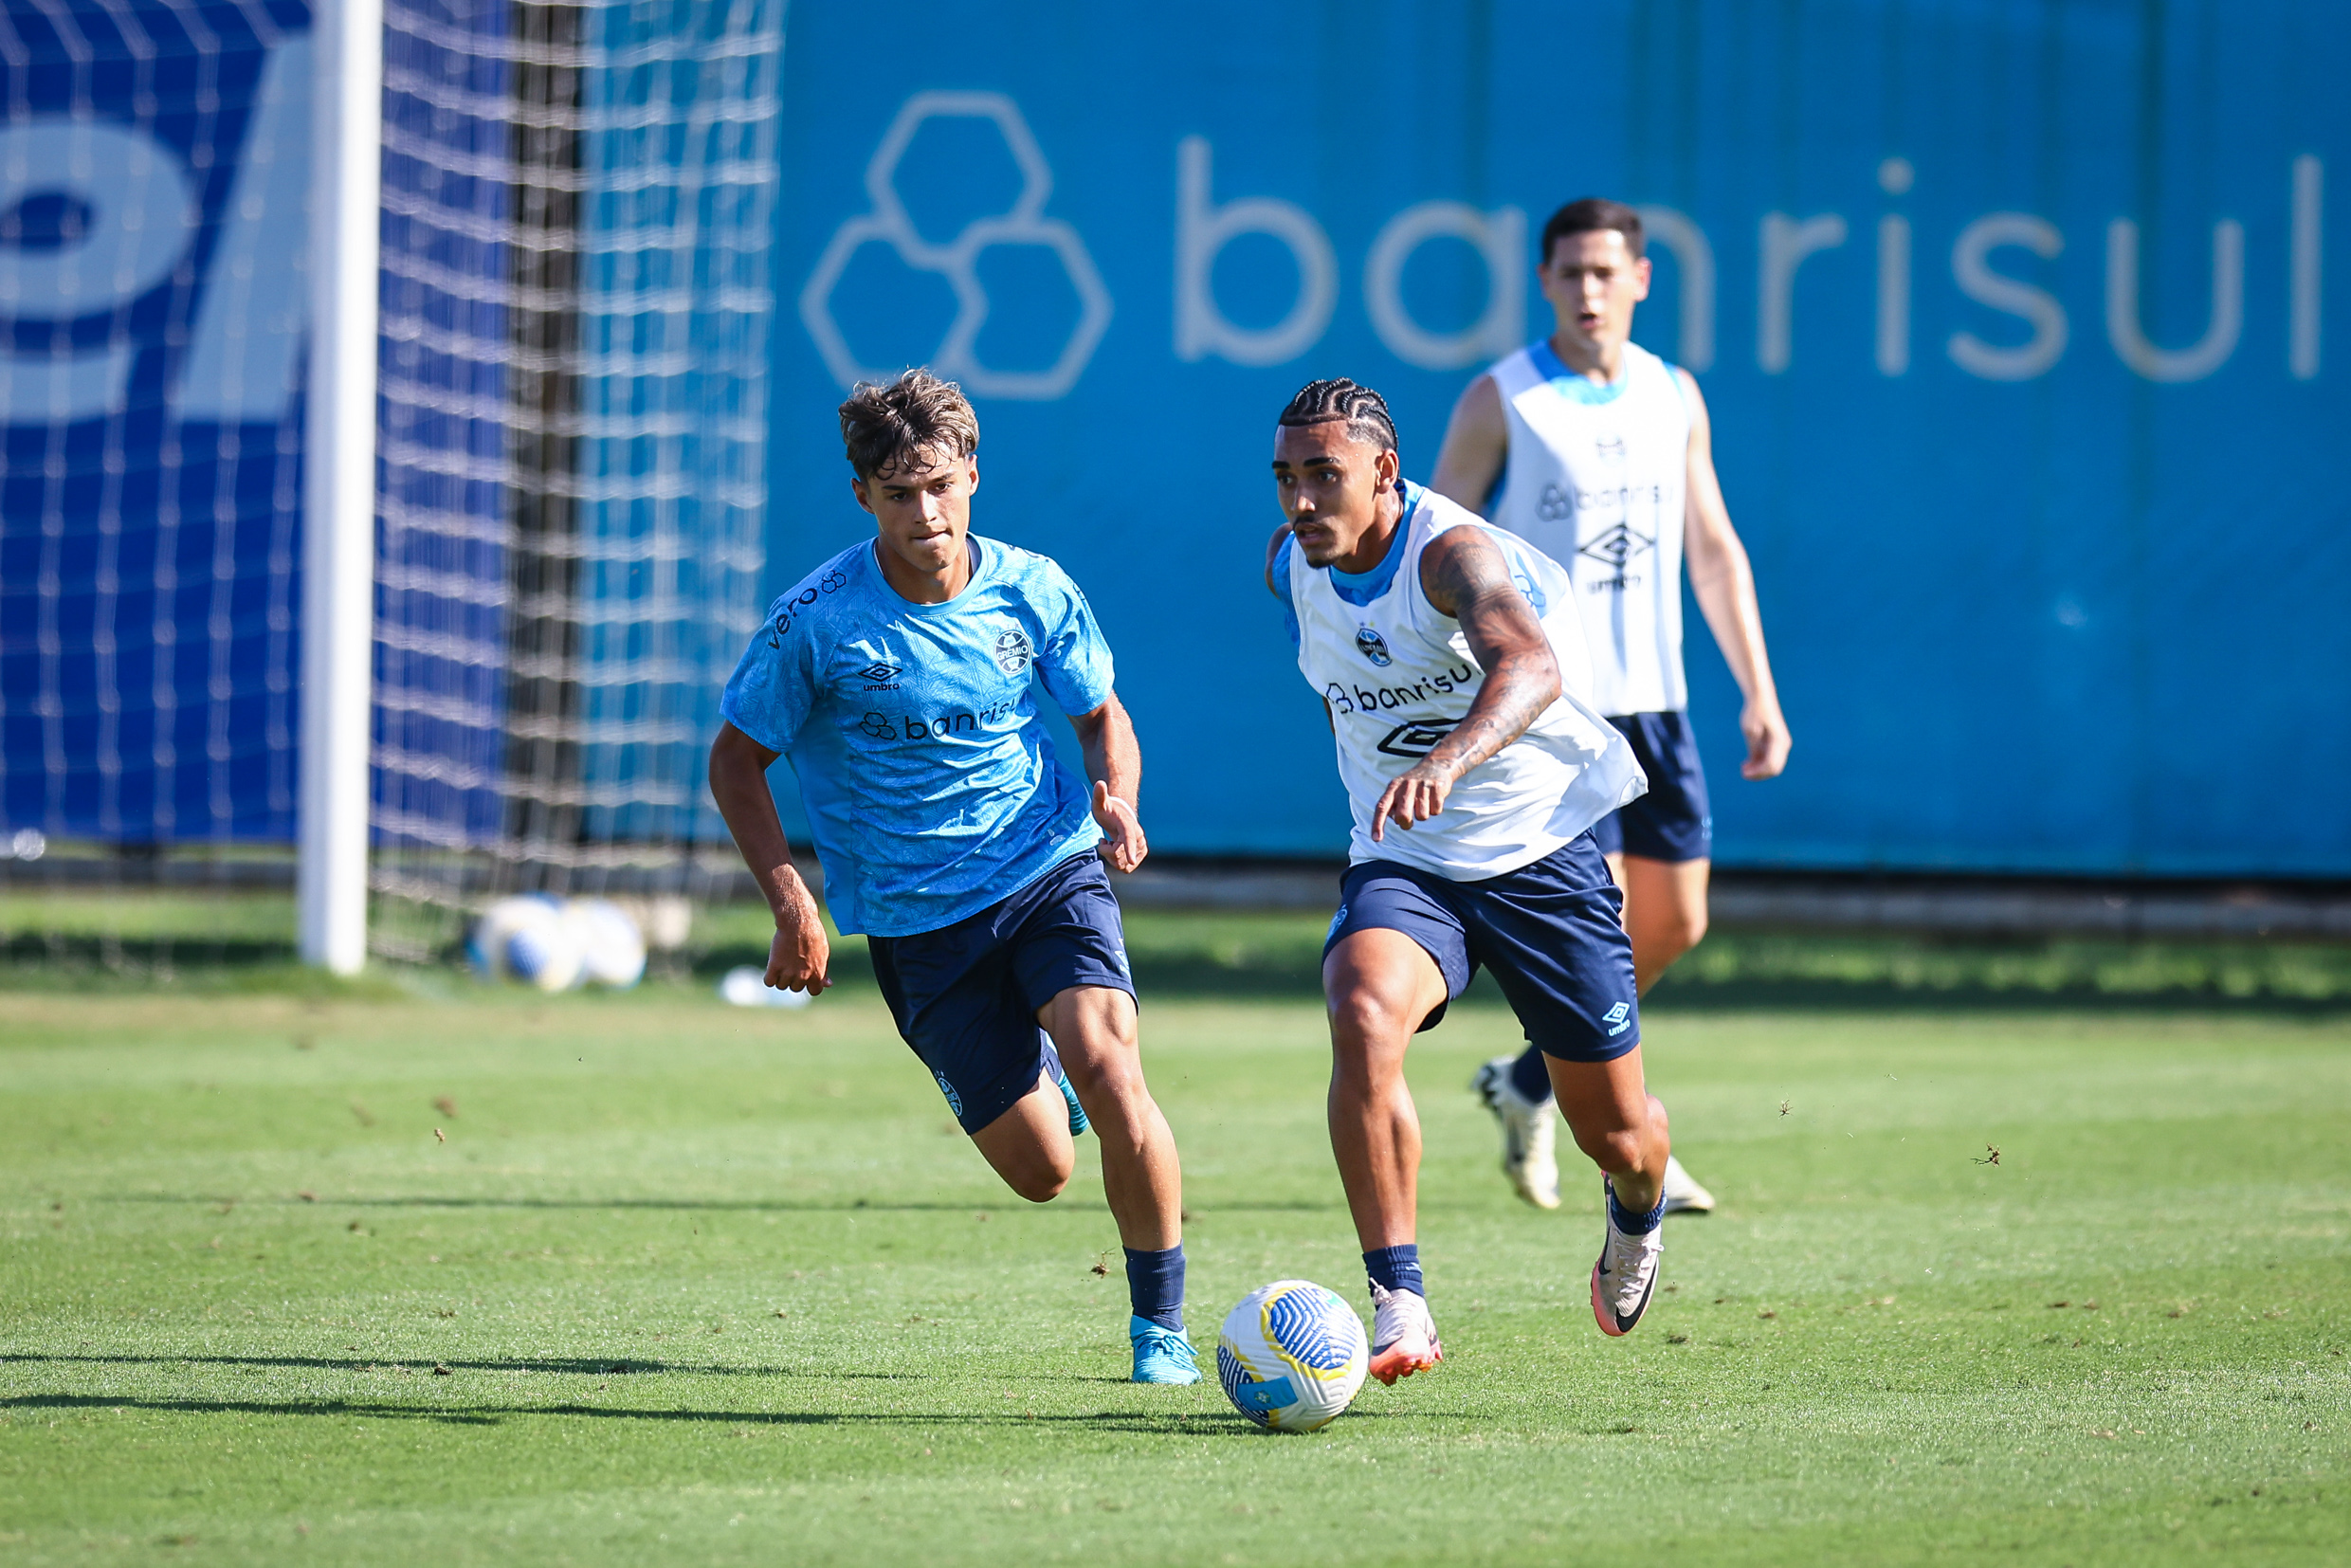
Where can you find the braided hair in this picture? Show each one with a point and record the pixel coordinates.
(1363, 411)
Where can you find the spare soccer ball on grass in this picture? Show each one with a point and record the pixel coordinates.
(1292, 1355)
(526, 938)
(611, 951)
(556, 946)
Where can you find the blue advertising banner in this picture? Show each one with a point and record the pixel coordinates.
(2013, 320)
(154, 183)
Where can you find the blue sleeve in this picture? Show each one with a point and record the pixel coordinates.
(1074, 662)
(770, 694)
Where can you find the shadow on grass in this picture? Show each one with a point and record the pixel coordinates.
(1673, 995)
(1255, 960)
(591, 1366)
(1283, 974)
(1174, 1424)
(747, 1206)
(142, 965)
(1748, 970)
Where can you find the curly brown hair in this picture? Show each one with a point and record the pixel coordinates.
(913, 420)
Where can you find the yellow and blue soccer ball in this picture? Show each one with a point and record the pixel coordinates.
(1292, 1355)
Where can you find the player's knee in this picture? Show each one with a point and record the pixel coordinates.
(1111, 1082)
(1365, 1020)
(1684, 930)
(1042, 1182)
(1612, 1149)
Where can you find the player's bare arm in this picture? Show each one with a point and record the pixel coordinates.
(1477, 444)
(799, 958)
(1464, 577)
(1723, 582)
(1115, 764)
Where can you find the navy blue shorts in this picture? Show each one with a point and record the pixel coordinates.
(965, 996)
(1673, 821)
(1552, 933)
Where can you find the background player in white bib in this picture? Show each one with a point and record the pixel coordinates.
(1605, 461)
(1447, 655)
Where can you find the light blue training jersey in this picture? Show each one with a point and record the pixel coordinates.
(929, 780)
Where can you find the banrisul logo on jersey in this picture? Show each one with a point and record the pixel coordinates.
(937, 726)
(1372, 647)
(1349, 699)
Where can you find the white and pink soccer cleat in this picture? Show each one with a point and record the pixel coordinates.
(1404, 1336)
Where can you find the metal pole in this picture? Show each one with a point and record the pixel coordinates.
(339, 485)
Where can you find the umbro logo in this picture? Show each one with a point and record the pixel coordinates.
(876, 673)
(1620, 1015)
(1613, 546)
(1611, 448)
(1418, 738)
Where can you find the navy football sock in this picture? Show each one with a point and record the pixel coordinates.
(1155, 1286)
(1531, 1077)
(1396, 1269)
(1631, 1223)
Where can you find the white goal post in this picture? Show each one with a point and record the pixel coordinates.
(338, 489)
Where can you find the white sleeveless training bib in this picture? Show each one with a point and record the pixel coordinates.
(1597, 480)
(1398, 676)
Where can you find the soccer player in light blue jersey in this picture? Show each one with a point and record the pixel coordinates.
(898, 678)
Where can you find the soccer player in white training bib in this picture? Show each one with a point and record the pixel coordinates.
(1606, 465)
(1448, 655)
(897, 675)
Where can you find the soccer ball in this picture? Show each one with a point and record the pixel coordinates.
(612, 953)
(1291, 1356)
(526, 938)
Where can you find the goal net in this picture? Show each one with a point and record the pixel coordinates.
(578, 206)
(576, 305)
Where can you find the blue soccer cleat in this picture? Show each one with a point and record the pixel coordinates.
(1161, 1355)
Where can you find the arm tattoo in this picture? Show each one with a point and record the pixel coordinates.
(1464, 577)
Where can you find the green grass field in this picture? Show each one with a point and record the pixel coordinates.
(692, 1284)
